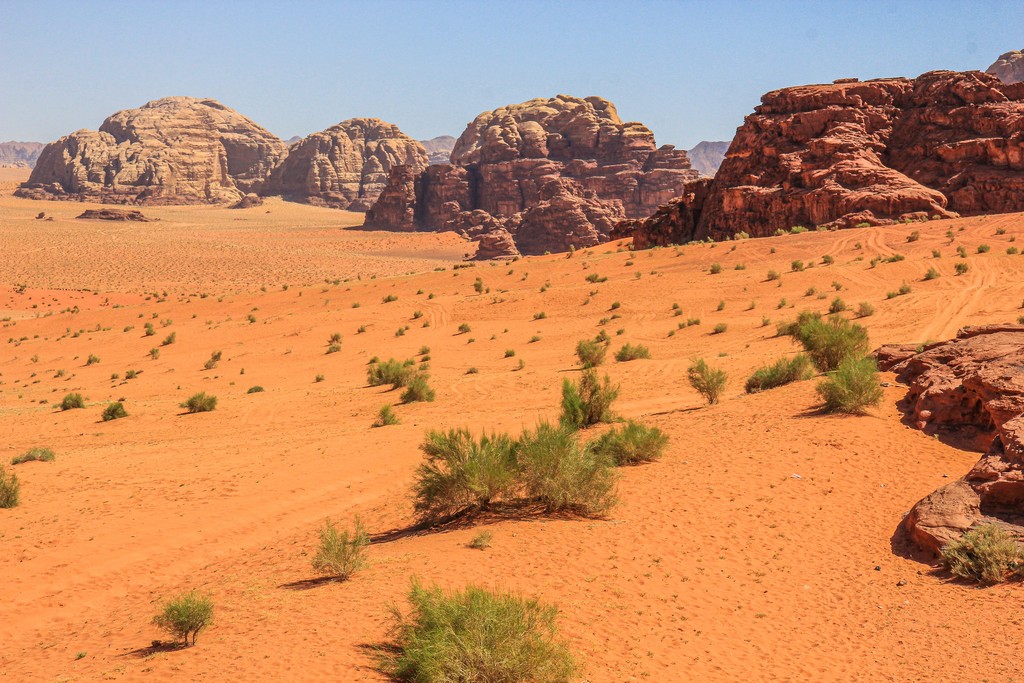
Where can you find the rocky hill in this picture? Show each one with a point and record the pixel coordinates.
(1009, 68)
(19, 153)
(177, 150)
(860, 153)
(510, 160)
(439, 149)
(707, 156)
(345, 166)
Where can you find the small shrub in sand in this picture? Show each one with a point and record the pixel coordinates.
(588, 401)
(630, 352)
(393, 372)
(418, 389)
(341, 554)
(255, 390)
(984, 554)
(562, 475)
(478, 636)
(114, 411)
(200, 403)
(34, 454)
(591, 353)
(72, 401)
(386, 416)
(10, 489)
(630, 444)
(482, 541)
(709, 382)
(828, 341)
(186, 615)
(783, 371)
(852, 387)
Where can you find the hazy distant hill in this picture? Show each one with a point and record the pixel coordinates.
(707, 156)
(20, 153)
(439, 149)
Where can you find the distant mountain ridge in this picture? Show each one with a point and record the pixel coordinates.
(439, 149)
(707, 156)
(20, 153)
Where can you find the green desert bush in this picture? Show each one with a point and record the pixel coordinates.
(588, 401)
(386, 416)
(709, 382)
(961, 268)
(632, 352)
(418, 389)
(783, 371)
(481, 541)
(478, 636)
(341, 554)
(864, 309)
(462, 475)
(828, 341)
(34, 454)
(630, 444)
(72, 401)
(213, 360)
(185, 615)
(560, 474)
(394, 372)
(200, 403)
(255, 390)
(10, 489)
(114, 411)
(837, 306)
(591, 353)
(984, 554)
(852, 387)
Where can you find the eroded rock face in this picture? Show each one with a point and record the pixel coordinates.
(345, 166)
(567, 217)
(1009, 68)
(178, 150)
(972, 390)
(873, 152)
(505, 158)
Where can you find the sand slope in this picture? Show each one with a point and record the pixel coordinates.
(718, 564)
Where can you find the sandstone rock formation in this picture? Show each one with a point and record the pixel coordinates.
(1009, 68)
(111, 215)
(439, 149)
(20, 153)
(505, 158)
(972, 390)
(345, 166)
(707, 156)
(870, 152)
(178, 150)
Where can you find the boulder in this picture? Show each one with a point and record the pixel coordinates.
(345, 166)
(969, 390)
(1009, 68)
(249, 201)
(110, 215)
(178, 150)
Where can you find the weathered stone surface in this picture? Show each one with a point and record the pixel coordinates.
(567, 216)
(505, 158)
(672, 223)
(707, 156)
(971, 390)
(874, 152)
(345, 166)
(439, 149)
(178, 150)
(110, 215)
(1009, 68)
(249, 201)
(22, 154)
(497, 245)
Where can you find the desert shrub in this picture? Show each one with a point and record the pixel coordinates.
(131, 374)
(389, 298)
(631, 444)
(587, 402)
(169, 339)
(464, 328)
(478, 636)
(185, 615)
(931, 274)
(562, 475)
(386, 416)
(864, 309)
(709, 382)
(774, 275)
(461, 474)
(509, 353)
(10, 489)
(828, 259)
(114, 411)
(481, 541)
(630, 352)
(150, 330)
(983, 248)
(92, 359)
(418, 389)
(914, 236)
(341, 554)
(213, 361)
(393, 372)
(783, 371)
(255, 390)
(72, 401)
(961, 268)
(904, 289)
(33, 454)
(719, 328)
(200, 403)
(716, 268)
(851, 387)
(797, 266)
(837, 306)
(984, 554)
(829, 341)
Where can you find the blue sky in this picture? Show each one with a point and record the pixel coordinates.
(689, 70)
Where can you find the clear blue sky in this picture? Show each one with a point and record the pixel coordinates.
(689, 70)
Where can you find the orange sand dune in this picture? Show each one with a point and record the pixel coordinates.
(757, 549)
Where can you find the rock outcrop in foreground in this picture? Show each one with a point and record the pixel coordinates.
(970, 388)
(1009, 68)
(508, 162)
(345, 166)
(864, 153)
(177, 150)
